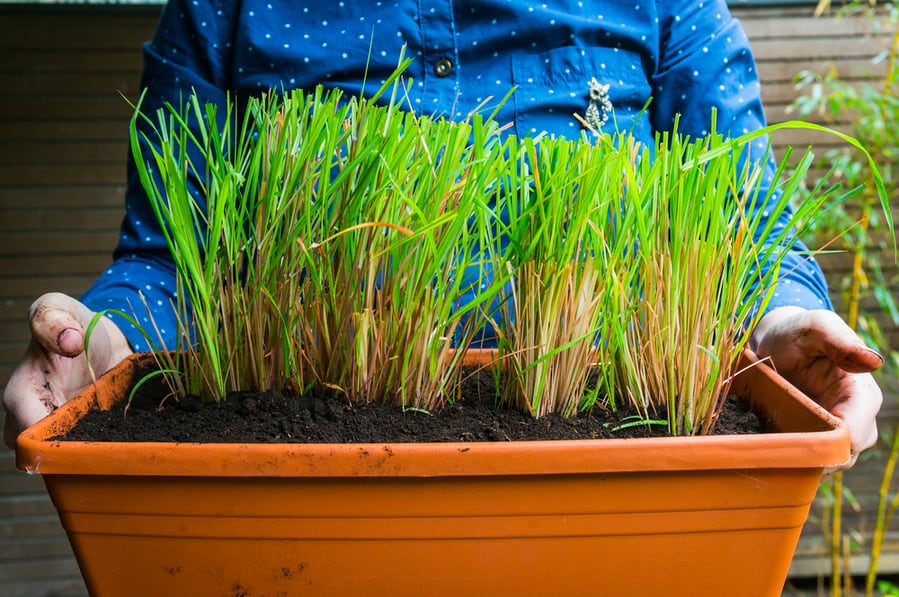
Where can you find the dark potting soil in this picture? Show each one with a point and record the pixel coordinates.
(279, 417)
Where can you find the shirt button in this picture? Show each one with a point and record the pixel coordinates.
(443, 67)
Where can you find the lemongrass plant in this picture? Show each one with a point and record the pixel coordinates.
(641, 268)
(395, 284)
(710, 252)
(564, 241)
(332, 242)
(706, 262)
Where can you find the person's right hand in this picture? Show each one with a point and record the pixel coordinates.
(54, 367)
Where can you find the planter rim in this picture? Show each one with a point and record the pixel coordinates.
(824, 443)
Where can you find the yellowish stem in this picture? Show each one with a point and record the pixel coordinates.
(836, 531)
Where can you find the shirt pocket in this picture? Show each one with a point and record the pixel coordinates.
(553, 86)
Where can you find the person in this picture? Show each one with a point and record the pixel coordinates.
(634, 66)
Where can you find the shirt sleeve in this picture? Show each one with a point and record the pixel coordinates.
(705, 64)
(188, 53)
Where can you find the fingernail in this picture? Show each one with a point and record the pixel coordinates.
(69, 342)
(875, 353)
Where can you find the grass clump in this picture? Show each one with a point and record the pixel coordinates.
(331, 243)
(639, 269)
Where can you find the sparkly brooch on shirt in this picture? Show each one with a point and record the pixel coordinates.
(600, 105)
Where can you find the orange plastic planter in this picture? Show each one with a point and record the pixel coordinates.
(688, 516)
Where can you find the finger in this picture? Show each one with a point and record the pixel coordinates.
(825, 333)
(862, 399)
(828, 472)
(853, 358)
(58, 322)
(41, 399)
(28, 396)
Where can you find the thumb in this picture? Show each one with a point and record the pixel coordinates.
(842, 345)
(58, 323)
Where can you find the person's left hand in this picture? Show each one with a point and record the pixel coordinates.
(821, 355)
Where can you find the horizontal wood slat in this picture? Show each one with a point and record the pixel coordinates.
(51, 155)
(62, 196)
(102, 106)
(110, 29)
(48, 59)
(48, 587)
(67, 283)
(61, 174)
(75, 84)
(57, 568)
(36, 547)
(41, 266)
(21, 505)
(68, 129)
(53, 243)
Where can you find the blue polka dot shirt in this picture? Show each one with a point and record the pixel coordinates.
(690, 57)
